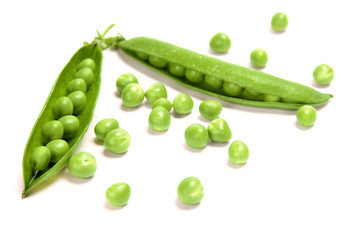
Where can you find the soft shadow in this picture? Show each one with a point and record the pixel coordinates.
(315, 84)
(98, 141)
(117, 94)
(218, 145)
(232, 165)
(155, 133)
(76, 180)
(176, 115)
(184, 206)
(129, 109)
(210, 51)
(110, 207)
(276, 32)
(113, 155)
(194, 150)
(302, 127)
(201, 118)
(256, 68)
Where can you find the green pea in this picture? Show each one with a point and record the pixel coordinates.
(103, 127)
(87, 62)
(183, 104)
(155, 91)
(259, 57)
(306, 115)
(220, 43)
(40, 158)
(132, 95)
(279, 22)
(253, 92)
(117, 141)
(271, 98)
(78, 99)
(71, 125)
(82, 165)
(62, 106)
(323, 74)
(118, 194)
(77, 84)
(157, 62)
(162, 102)
(219, 131)
(159, 119)
(213, 82)
(176, 69)
(196, 136)
(232, 89)
(142, 56)
(210, 109)
(238, 152)
(194, 76)
(190, 191)
(58, 148)
(125, 79)
(52, 130)
(87, 74)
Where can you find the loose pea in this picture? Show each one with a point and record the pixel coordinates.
(78, 99)
(220, 43)
(117, 141)
(258, 57)
(210, 109)
(279, 22)
(306, 115)
(219, 131)
(194, 76)
(162, 102)
(155, 91)
(77, 84)
(52, 130)
(118, 194)
(40, 158)
(62, 106)
(58, 148)
(125, 79)
(238, 152)
(232, 89)
(87, 62)
(82, 165)
(213, 82)
(71, 125)
(104, 127)
(157, 62)
(190, 190)
(159, 119)
(270, 98)
(323, 74)
(142, 56)
(183, 103)
(87, 74)
(196, 136)
(132, 95)
(176, 69)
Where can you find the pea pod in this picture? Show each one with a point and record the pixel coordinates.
(34, 177)
(288, 95)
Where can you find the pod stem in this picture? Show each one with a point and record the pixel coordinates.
(31, 180)
(104, 43)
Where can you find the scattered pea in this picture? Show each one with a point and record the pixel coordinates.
(259, 57)
(87, 74)
(219, 131)
(220, 43)
(190, 191)
(87, 62)
(52, 130)
(323, 74)
(40, 158)
(162, 102)
(279, 22)
(82, 165)
(78, 99)
(77, 84)
(155, 91)
(71, 126)
(132, 95)
(159, 119)
(117, 141)
(210, 109)
(306, 115)
(103, 127)
(62, 106)
(118, 194)
(183, 104)
(125, 79)
(58, 148)
(238, 152)
(196, 136)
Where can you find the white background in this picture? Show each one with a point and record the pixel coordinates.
(299, 183)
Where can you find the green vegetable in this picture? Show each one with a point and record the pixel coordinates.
(157, 62)
(183, 104)
(155, 91)
(132, 95)
(82, 165)
(213, 82)
(103, 127)
(77, 84)
(194, 76)
(219, 131)
(190, 191)
(210, 109)
(176, 69)
(78, 99)
(323, 74)
(279, 22)
(125, 79)
(295, 94)
(58, 149)
(159, 119)
(40, 158)
(238, 152)
(196, 136)
(117, 141)
(306, 116)
(118, 194)
(162, 102)
(58, 106)
(258, 57)
(87, 63)
(220, 43)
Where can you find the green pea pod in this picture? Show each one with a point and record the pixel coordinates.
(289, 95)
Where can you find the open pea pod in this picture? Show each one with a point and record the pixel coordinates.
(258, 89)
(31, 177)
